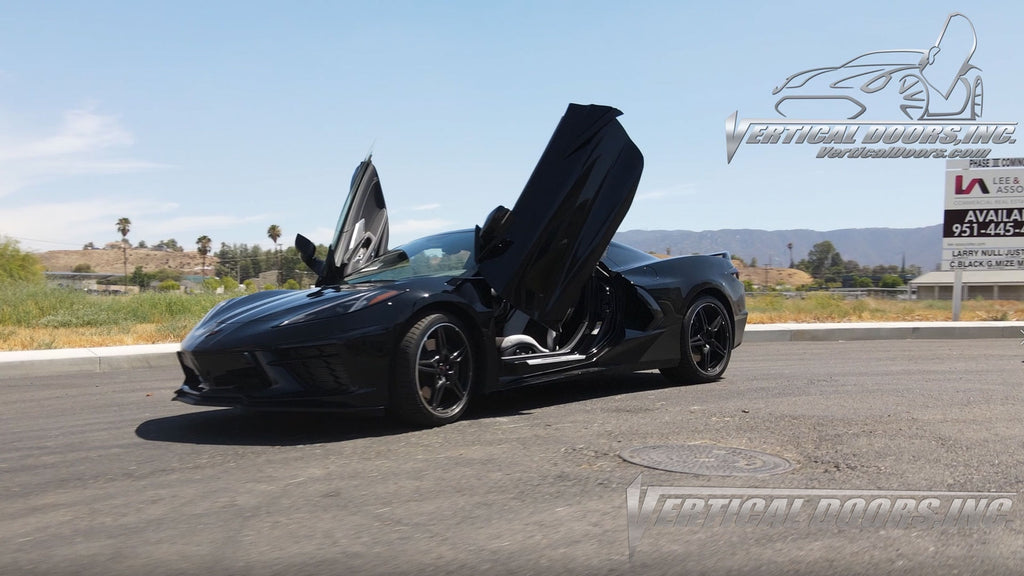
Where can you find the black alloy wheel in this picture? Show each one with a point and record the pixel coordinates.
(434, 372)
(707, 343)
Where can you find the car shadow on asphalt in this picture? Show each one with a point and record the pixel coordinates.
(230, 426)
(529, 398)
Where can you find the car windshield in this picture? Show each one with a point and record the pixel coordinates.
(448, 254)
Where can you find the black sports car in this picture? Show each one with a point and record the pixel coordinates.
(537, 293)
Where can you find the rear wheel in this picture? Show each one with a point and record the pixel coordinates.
(434, 372)
(707, 343)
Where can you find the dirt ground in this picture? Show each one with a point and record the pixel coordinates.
(762, 276)
(111, 261)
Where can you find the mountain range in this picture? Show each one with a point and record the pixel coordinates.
(868, 246)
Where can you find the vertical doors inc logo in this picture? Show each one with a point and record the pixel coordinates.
(899, 99)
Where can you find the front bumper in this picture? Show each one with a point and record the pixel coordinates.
(351, 375)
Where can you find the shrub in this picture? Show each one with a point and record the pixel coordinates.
(168, 286)
(890, 281)
(18, 266)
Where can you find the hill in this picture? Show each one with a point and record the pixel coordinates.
(773, 276)
(112, 262)
(868, 246)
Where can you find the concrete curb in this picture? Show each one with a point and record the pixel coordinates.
(835, 332)
(72, 360)
(68, 361)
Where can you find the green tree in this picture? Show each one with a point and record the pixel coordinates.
(169, 244)
(18, 266)
(82, 268)
(124, 226)
(167, 274)
(862, 282)
(274, 232)
(890, 281)
(822, 261)
(140, 278)
(203, 247)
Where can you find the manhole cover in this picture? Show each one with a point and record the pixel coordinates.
(706, 459)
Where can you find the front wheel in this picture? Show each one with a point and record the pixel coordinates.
(707, 344)
(434, 372)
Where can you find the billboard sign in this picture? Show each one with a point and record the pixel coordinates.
(983, 224)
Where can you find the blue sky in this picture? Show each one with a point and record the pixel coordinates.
(222, 118)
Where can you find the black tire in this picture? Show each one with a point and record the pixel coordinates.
(706, 346)
(434, 372)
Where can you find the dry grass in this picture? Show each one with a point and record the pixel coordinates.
(821, 307)
(37, 338)
(35, 318)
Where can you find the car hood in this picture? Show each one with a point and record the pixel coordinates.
(539, 255)
(277, 308)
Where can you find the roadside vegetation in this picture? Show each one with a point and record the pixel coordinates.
(832, 307)
(36, 316)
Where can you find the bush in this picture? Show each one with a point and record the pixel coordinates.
(211, 284)
(18, 266)
(291, 284)
(168, 286)
(890, 281)
(84, 267)
(167, 274)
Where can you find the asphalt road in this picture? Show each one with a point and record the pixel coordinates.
(101, 474)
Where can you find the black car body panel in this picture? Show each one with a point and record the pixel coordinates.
(351, 344)
(565, 217)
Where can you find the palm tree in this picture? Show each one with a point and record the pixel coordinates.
(124, 225)
(203, 243)
(274, 232)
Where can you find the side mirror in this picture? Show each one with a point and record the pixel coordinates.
(489, 240)
(307, 251)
